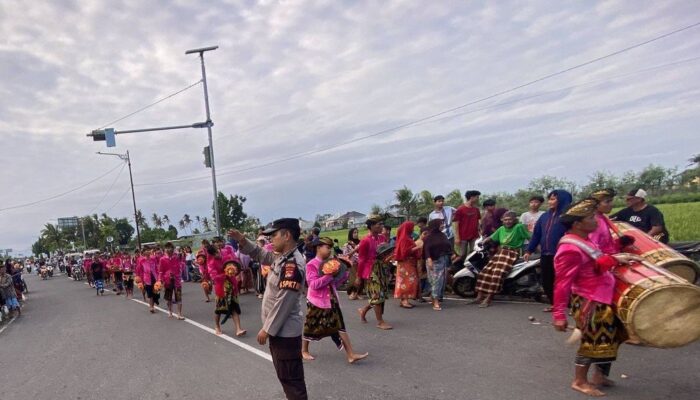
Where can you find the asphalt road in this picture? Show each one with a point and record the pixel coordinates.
(70, 344)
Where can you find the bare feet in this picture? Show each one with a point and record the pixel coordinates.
(242, 332)
(180, 318)
(171, 316)
(357, 357)
(384, 326)
(363, 313)
(548, 309)
(353, 296)
(218, 331)
(602, 381)
(587, 389)
(307, 356)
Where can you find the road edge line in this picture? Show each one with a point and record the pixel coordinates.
(225, 337)
(13, 320)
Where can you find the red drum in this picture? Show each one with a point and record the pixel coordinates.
(657, 307)
(658, 253)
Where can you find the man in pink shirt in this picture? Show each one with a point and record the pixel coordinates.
(367, 255)
(583, 277)
(147, 270)
(170, 276)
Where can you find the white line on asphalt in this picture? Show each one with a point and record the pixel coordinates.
(495, 301)
(227, 338)
(8, 324)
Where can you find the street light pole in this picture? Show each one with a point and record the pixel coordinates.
(127, 158)
(201, 52)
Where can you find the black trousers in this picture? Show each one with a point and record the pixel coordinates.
(286, 356)
(547, 268)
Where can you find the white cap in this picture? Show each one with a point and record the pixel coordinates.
(641, 193)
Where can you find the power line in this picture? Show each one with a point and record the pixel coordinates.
(501, 104)
(151, 105)
(432, 116)
(62, 194)
(128, 189)
(108, 190)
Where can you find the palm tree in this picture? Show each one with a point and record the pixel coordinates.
(181, 224)
(695, 160)
(157, 220)
(205, 224)
(141, 220)
(376, 210)
(166, 219)
(406, 202)
(188, 221)
(52, 235)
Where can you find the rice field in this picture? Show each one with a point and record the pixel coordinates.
(682, 222)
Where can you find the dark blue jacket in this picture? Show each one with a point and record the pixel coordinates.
(548, 229)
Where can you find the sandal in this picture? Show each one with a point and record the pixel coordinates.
(409, 306)
(437, 308)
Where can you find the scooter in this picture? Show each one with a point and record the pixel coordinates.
(522, 281)
(77, 274)
(44, 272)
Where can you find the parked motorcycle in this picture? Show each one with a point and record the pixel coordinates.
(522, 281)
(77, 274)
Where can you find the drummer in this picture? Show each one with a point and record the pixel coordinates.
(582, 276)
(323, 315)
(602, 236)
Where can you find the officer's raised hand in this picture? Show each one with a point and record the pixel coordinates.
(236, 235)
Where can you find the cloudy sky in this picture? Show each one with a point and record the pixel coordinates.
(294, 77)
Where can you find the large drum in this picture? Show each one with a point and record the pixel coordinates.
(658, 308)
(658, 253)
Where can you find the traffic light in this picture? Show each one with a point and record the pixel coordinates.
(98, 136)
(207, 157)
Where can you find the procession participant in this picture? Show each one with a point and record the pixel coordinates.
(323, 315)
(225, 289)
(437, 250)
(116, 263)
(602, 236)
(406, 254)
(466, 220)
(87, 262)
(367, 251)
(547, 233)
(371, 272)
(128, 272)
(170, 276)
(643, 216)
(377, 287)
(510, 239)
(206, 284)
(349, 250)
(282, 313)
(424, 285)
(583, 278)
(97, 268)
(148, 273)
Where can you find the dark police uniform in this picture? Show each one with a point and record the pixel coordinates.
(282, 313)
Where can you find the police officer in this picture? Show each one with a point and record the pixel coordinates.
(282, 308)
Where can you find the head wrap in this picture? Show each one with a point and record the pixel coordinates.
(603, 194)
(404, 241)
(582, 209)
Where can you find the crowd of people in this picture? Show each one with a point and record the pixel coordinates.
(288, 269)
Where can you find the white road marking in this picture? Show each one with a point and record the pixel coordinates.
(495, 301)
(8, 324)
(227, 338)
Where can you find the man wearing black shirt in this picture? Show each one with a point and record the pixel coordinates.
(97, 269)
(643, 216)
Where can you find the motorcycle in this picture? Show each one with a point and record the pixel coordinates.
(195, 276)
(50, 272)
(521, 281)
(77, 274)
(44, 273)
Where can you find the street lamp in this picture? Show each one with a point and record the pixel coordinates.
(125, 157)
(201, 52)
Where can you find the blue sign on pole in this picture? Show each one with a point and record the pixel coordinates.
(109, 137)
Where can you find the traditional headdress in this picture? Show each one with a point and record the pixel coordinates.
(581, 209)
(603, 194)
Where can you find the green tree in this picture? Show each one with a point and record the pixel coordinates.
(231, 212)
(406, 202)
(40, 247)
(376, 209)
(157, 221)
(424, 203)
(53, 238)
(141, 220)
(124, 231)
(454, 199)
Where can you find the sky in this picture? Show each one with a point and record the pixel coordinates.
(292, 78)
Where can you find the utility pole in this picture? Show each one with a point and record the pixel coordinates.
(127, 158)
(82, 226)
(201, 52)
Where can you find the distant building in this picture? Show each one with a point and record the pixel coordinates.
(305, 225)
(350, 219)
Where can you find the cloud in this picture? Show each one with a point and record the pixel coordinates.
(299, 76)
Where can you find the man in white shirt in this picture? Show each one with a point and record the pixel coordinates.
(445, 213)
(529, 218)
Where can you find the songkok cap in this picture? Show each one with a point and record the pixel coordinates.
(603, 194)
(641, 193)
(583, 208)
(291, 224)
(324, 240)
(374, 219)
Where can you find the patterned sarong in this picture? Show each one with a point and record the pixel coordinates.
(228, 303)
(490, 279)
(406, 279)
(376, 286)
(323, 322)
(602, 332)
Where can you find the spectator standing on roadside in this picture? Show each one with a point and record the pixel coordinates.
(529, 218)
(466, 220)
(643, 216)
(445, 213)
(492, 219)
